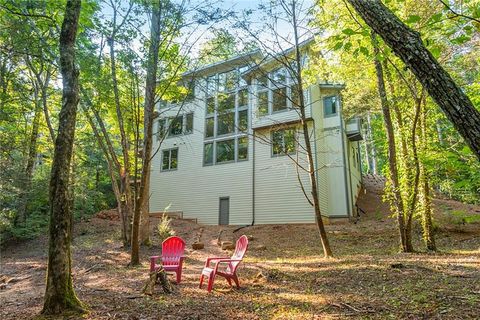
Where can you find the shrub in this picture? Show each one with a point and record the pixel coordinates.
(164, 229)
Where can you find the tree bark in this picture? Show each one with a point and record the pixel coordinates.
(32, 154)
(408, 46)
(59, 294)
(392, 152)
(150, 86)
(327, 251)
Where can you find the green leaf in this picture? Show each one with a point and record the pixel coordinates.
(461, 39)
(435, 52)
(338, 45)
(365, 51)
(347, 46)
(348, 32)
(412, 19)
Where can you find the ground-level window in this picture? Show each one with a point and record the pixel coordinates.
(330, 106)
(283, 142)
(170, 159)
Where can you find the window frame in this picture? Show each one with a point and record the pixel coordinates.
(330, 115)
(283, 153)
(167, 126)
(169, 150)
(238, 132)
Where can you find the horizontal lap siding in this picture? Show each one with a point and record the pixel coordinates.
(278, 196)
(195, 189)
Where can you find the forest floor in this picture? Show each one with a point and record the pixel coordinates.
(283, 275)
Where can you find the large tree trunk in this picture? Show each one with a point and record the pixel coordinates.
(59, 294)
(408, 46)
(150, 86)
(392, 152)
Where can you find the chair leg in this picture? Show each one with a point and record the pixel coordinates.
(229, 281)
(179, 275)
(201, 281)
(235, 278)
(211, 279)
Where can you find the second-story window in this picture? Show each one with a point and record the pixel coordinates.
(276, 91)
(226, 118)
(283, 142)
(330, 106)
(170, 159)
(175, 126)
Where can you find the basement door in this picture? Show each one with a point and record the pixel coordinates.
(224, 211)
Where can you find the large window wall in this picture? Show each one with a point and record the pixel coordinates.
(226, 118)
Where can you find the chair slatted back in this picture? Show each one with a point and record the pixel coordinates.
(172, 250)
(240, 249)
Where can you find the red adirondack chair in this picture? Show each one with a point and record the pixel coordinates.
(172, 256)
(230, 272)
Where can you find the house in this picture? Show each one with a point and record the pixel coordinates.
(233, 153)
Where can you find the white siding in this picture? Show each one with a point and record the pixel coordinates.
(195, 189)
(278, 196)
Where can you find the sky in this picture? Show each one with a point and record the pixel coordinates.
(199, 34)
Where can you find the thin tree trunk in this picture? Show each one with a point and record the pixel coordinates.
(392, 152)
(372, 151)
(32, 154)
(150, 86)
(427, 224)
(126, 198)
(408, 46)
(327, 251)
(59, 294)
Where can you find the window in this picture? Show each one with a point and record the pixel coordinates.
(170, 159)
(243, 97)
(226, 102)
(189, 123)
(262, 104)
(279, 99)
(242, 148)
(330, 106)
(283, 142)
(176, 126)
(225, 123)
(162, 128)
(210, 105)
(226, 119)
(227, 81)
(211, 85)
(276, 92)
(208, 153)
(209, 127)
(225, 150)
(243, 120)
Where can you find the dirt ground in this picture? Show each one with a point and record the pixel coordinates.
(283, 275)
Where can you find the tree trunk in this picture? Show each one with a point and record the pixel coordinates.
(59, 294)
(392, 152)
(408, 46)
(150, 86)
(32, 154)
(327, 251)
(371, 150)
(427, 224)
